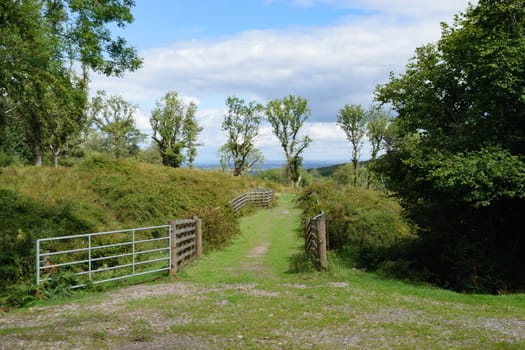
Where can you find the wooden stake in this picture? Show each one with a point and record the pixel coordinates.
(321, 243)
(173, 269)
(198, 237)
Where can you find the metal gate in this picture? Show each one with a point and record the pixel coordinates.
(105, 256)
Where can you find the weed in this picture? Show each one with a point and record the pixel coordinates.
(140, 331)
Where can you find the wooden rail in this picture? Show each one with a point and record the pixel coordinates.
(316, 240)
(185, 237)
(260, 198)
(186, 242)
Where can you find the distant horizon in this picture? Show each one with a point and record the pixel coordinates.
(329, 52)
(274, 163)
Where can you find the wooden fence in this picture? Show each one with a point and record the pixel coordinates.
(186, 242)
(260, 198)
(316, 240)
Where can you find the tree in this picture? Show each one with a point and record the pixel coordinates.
(85, 38)
(241, 125)
(175, 128)
(41, 43)
(113, 116)
(457, 162)
(27, 54)
(190, 132)
(287, 117)
(377, 132)
(352, 119)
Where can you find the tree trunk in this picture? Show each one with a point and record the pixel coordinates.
(354, 163)
(37, 151)
(56, 155)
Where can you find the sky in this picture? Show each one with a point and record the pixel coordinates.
(330, 52)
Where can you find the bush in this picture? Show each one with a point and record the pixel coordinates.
(104, 194)
(219, 227)
(361, 223)
(23, 222)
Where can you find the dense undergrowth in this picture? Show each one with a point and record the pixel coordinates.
(104, 194)
(366, 228)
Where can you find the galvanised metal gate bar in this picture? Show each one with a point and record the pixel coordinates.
(131, 250)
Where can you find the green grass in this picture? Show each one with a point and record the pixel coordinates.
(104, 194)
(245, 297)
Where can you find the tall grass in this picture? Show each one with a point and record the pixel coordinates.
(103, 194)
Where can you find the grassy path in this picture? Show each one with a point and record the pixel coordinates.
(262, 254)
(245, 298)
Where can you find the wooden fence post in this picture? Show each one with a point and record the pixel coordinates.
(198, 237)
(306, 233)
(321, 243)
(173, 268)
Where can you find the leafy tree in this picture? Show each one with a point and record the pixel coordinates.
(190, 131)
(352, 119)
(85, 37)
(377, 132)
(64, 117)
(175, 128)
(113, 116)
(286, 117)
(26, 57)
(151, 154)
(241, 125)
(41, 43)
(457, 161)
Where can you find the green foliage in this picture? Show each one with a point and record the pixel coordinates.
(357, 122)
(276, 175)
(141, 331)
(287, 117)
(219, 227)
(24, 221)
(18, 294)
(114, 117)
(174, 129)
(359, 221)
(45, 97)
(478, 178)
(57, 286)
(328, 171)
(344, 175)
(352, 119)
(151, 155)
(456, 156)
(104, 194)
(241, 125)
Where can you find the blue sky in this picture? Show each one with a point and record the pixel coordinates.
(161, 22)
(331, 52)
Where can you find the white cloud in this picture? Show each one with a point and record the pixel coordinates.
(330, 66)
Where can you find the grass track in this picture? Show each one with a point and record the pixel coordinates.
(244, 297)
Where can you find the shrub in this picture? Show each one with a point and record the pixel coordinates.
(361, 222)
(24, 221)
(104, 194)
(219, 226)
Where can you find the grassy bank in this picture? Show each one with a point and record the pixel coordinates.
(246, 297)
(104, 194)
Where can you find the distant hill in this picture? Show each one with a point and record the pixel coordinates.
(327, 171)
